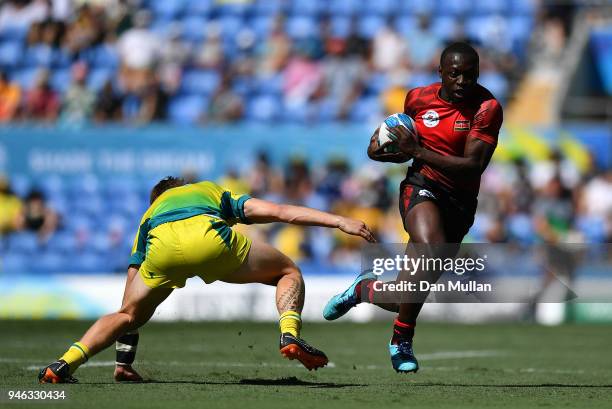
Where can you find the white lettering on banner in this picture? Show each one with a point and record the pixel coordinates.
(60, 161)
(158, 161)
(117, 161)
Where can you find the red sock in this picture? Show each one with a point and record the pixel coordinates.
(402, 331)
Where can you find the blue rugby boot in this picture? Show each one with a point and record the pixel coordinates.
(402, 357)
(341, 303)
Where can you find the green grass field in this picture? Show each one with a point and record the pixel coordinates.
(229, 365)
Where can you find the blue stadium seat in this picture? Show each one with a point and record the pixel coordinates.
(475, 27)
(377, 83)
(194, 28)
(60, 79)
(243, 86)
(86, 184)
(236, 8)
(380, 7)
(105, 56)
(230, 26)
(63, 242)
(340, 26)
(61, 59)
(306, 7)
(263, 108)
(14, 33)
(261, 25)
(268, 7)
(443, 26)
(366, 109)
(23, 242)
(201, 8)
(118, 187)
(496, 83)
(49, 262)
(90, 205)
(490, 7)
(271, 84)
(201, 82)
(185, 110)
(454, 7)
(21, 184)
(405, 25)
(417, 7)
(520, 28)
(299, 114)
(38, 56)
(25, 77)
(327, 110)
(89, 262)
(10, 54)
(168, 9)
(370, 25)
(15, 263)
(344, 7)
(98, 77)
(523, 7)
(302, 27)
(79, 223)
(51, 185)
(422, 78)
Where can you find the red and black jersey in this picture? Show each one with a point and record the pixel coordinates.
(446, 127)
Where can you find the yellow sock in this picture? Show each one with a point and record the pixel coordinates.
(291, 322)
(76, 355)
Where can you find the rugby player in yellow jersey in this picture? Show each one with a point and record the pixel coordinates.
(186, 232)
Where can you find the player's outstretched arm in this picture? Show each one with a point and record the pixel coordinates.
(262, 211)
(376, 152)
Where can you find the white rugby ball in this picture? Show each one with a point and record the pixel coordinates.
(385, 133)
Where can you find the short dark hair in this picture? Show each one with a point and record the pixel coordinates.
(460, 48)
(166, 183)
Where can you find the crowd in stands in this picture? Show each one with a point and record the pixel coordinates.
(520, 202)
(199, 61)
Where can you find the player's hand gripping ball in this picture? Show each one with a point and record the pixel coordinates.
(388, 135)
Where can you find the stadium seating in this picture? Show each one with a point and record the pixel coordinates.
(303, 18)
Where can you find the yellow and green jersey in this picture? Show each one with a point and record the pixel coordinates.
(183, 202)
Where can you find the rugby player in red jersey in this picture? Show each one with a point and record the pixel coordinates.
(458, 123)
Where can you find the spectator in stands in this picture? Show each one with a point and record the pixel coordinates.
(79, 100)
(36, 216)
(10, 98)
(10, 207)
(345, 73)
(424, 45)
(389, 50)
(303, 77)
(148, 105)
(211, 55)
(85, 30)
(108, 105)
(225, 104)
(275, 50)
(174, 56)
(42, 102)
(22, 13)
(139, 50)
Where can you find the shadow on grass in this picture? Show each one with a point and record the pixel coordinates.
(513, 385)
(289, 381)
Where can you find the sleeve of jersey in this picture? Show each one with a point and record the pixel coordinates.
(232, 207)
(139, 248)
(487, 122)
(409, 103)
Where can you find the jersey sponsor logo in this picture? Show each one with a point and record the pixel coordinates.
(426, 193)
(431, 118)
(462, 125)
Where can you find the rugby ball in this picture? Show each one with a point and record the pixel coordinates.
(385, 133)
